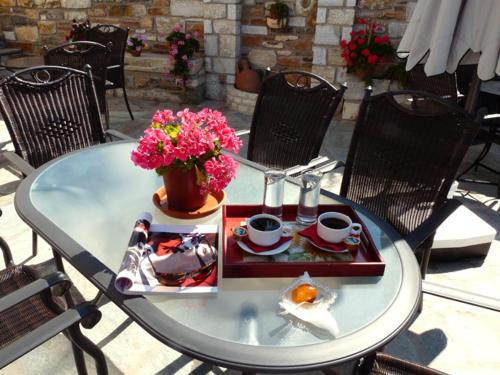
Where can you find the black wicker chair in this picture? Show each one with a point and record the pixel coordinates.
(455, 88)
(384, 364)
(489, 134)
(116, 76)
(402, 162)
(78, 54)
(292, 114)
(443, 85)
(50, 111)
(32, 312)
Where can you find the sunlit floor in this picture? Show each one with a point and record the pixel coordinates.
(453, 337)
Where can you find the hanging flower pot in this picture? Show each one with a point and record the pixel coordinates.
(364, 74)
(277, 23)
(277, 15)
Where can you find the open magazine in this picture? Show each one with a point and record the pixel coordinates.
(164, 258)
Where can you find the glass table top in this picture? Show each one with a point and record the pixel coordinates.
(95, 196)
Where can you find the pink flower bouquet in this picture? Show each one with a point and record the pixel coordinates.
(190, 140)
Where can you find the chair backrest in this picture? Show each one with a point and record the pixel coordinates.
(118, 36)
(77, 55)
(465, 75)
(50, 111)
(291, 117)
(443, 85)
(402, 160)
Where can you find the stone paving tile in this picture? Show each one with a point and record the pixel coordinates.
(449, 336)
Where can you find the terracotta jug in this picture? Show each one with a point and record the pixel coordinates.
(247, 79)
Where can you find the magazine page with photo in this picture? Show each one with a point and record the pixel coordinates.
(164, 258)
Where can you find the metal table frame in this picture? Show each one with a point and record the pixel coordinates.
(219, 352)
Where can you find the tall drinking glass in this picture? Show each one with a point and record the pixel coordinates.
(307, 211)
(274, 190)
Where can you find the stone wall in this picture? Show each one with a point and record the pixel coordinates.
(33, 23)
(146, 79)
(334, 21)
(290, 49)
(240, 101)
(230, 29)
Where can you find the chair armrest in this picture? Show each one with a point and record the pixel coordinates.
(242, 132)
(429, 226)
(33, 288)
(117, 134)
(111, 67)
(492, 117)
(46, 331)
(297, 169)
(24, 167)
(328, 167)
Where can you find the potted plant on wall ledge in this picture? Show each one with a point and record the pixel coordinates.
(135, 44)
(277, 16)
(181, 49)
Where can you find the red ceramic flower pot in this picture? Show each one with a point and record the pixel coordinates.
(183, 193)
(136, 53)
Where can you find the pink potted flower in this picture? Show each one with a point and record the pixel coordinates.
(186, 149)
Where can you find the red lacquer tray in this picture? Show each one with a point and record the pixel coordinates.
(366, 261)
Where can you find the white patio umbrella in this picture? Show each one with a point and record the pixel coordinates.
(446, 30)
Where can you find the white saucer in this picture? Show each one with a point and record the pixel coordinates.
(277, 250)
(346, 250)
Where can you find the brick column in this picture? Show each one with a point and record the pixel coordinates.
(221, 20)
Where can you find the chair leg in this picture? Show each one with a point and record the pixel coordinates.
(126, 102)
(106, 113)
(476, 162)
(7, 254)
(424, 262)
(90, 348)
(79, 358)
(34, 243)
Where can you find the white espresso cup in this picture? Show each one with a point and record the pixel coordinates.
(264, 229)
(330, 228)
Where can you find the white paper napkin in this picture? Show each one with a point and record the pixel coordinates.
(317, 313)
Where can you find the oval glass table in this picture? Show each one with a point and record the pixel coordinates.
(84, 205)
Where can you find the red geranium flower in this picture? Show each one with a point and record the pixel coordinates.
(365, 48)
(372, 59)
